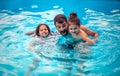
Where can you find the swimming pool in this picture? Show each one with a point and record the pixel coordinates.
(18, 17)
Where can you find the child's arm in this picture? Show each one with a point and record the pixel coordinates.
(32, 43)
(89, 32)
(31, 33)
(86, 38)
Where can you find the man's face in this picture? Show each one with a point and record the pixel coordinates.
(62, 28)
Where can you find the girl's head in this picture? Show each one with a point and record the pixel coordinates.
(42, 30)
(74, 23)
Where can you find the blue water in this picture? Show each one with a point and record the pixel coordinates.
(17, 17)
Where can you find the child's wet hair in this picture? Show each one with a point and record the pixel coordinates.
(38, 27)
(74, 19)
(73, 15)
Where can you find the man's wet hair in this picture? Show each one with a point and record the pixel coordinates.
(60, 18)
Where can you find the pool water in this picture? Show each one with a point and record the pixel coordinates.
(18, 17)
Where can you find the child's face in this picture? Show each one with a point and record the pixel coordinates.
(43, 31)
(74, 29)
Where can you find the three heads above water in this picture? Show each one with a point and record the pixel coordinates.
(64, 27)
(61, 23)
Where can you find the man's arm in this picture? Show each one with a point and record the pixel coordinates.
(89, 32)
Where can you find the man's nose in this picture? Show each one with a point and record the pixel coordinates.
(61, 29)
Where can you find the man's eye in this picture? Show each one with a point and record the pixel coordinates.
(58, 27)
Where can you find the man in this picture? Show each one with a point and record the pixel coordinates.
(60, 21)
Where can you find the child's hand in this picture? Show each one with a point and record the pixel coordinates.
(83, 42)
(86, 42)
(31, 49)
(95, 39)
